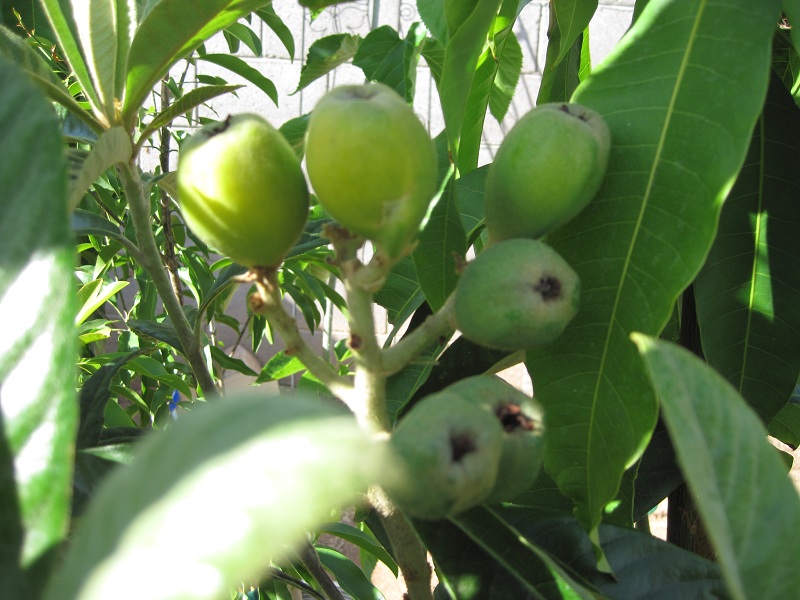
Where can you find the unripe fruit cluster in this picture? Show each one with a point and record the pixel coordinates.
(477, 441)
(519, 293)
(370, 160)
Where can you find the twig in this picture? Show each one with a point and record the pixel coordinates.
(308, 556)
(151, 261)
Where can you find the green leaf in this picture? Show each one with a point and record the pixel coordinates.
(243, 33)
(278, 27)
(495, 78)
(468, 24)
(677, 144)
(38, 411)
(573, 17)
(94, 294)
(325, 55)
(169, 32)
(279, 366)
(386, 58)
(560, 78)
(88, 223)
(61, 19)
(256, 471)
(243, 69)
(736, 477)
(184, 104)
(432, 14)
(104, 30)
(316, 5)
(348, 575)
(442, 243)
(361, 540)
(478, 555)
(294, 130)
(785, 426)
(230, 362)
(747, 293)
(400, 292)
(509, 68)
(94, 396)
(112, 147)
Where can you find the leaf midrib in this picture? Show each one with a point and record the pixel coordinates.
(645, 201)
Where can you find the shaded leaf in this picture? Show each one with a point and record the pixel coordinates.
(480, 556)
(442, 243)
(495, 78)
(468, 24)
(747, 292)
(573, 17)
(386, 58)
(94, 396)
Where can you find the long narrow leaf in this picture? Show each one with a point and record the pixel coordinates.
(749, 289)
(678, 142)
(170, 31)
(104, 29)
(737, 478)
(468, 24)
(61, 19)
(241, 68)
(184, 104)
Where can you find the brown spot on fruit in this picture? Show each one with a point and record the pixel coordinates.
(461, 444)
(512, 418)
(549, 287)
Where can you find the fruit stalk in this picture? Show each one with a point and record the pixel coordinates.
(437, 325)
(151, 261)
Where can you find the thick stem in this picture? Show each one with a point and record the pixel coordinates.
(407, 548)
(152, 263)
(370, 382)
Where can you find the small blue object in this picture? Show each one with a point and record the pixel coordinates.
(173, 404)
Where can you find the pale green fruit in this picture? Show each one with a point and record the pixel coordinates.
(242, 190)
(516, 294)
(451, 453)
(547, 169)
(372, 164)
(521, 419)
